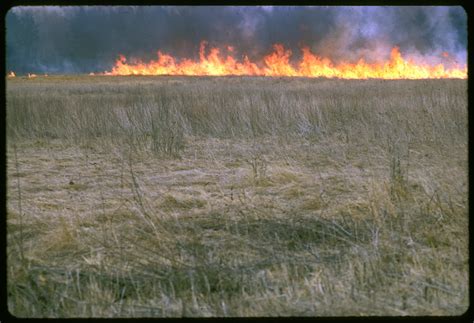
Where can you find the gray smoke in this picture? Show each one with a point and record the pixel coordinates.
(89, 39)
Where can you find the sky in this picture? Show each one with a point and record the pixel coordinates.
(83, 39)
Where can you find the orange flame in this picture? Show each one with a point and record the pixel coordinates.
(278, 63)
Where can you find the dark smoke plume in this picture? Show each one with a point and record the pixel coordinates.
(89, 39)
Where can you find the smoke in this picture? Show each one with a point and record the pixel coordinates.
(88, 39)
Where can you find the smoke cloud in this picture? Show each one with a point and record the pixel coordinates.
(89, 39)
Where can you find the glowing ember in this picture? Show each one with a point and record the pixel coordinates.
(278, 63)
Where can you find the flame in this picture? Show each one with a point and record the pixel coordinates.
(278, 63)
(11, 74)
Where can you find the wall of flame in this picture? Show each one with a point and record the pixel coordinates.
(335, 41)
(278, 63)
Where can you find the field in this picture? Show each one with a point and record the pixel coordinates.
(236, 196)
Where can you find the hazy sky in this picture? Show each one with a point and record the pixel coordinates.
(88, 39)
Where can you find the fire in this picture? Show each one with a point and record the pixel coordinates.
(278, 63)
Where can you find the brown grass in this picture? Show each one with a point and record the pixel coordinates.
(236, 196)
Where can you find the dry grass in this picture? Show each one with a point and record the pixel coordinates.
(176, 196)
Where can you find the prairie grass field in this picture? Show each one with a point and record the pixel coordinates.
(236, 196)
